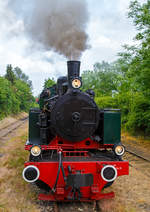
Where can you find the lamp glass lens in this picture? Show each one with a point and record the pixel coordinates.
(35, 151)
(119, 150)
(76, 83)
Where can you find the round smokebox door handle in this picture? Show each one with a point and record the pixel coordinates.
(76, 116)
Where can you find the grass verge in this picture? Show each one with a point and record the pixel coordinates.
(15, 193)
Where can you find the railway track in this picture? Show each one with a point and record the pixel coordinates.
(137, 152)
(70, 206)
(138, 161)
(5, 131)
(137, 155)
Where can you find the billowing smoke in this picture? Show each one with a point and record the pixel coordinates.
(59, 25)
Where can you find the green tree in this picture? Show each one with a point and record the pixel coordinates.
(23, 95)
(134, 65)
(103, 74)
(10, 74)
(125, 83)
(49, 82)
(15, 92)
(8, 101)
(22, 76)
(139, 67)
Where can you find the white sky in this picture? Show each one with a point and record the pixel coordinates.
(108, 29)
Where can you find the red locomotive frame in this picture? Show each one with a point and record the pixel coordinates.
(48, 169)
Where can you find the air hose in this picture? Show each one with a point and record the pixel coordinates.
(60, 166)
(64, 176)
(58, 172)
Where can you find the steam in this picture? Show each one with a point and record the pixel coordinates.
(59, 25)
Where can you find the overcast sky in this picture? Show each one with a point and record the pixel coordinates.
(108, 29)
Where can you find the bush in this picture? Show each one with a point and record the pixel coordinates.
(8, 101)
(139, 116)
(15, 97)
(107, 102)
(135, 110)
(23, 95)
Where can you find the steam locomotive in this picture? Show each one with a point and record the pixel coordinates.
(75, 147)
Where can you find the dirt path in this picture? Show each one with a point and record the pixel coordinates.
(132, 192)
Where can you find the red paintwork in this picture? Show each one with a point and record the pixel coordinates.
(55, 144)
(48, 170)
(75, 154)
(50, 197)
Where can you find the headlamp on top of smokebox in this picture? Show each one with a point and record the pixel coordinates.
(76, 82)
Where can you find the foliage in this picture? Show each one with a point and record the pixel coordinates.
(102, 75)
(49, 82)
(138, 70)
(8, 101)
(22, 76)
(10, 74)
(106, 102)
(15, 92)
(23, 95)
(125, 84)
(139, 116)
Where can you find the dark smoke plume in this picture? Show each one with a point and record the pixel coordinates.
(58, 25)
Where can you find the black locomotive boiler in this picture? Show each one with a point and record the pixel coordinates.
(75, 147)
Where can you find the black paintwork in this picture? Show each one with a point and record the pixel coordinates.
(75, 116)
(72, 114)
(79, 180)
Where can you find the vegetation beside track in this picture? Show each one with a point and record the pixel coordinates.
(15, 193)
(15, 92)
(124, 83)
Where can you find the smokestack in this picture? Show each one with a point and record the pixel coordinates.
(73, 71)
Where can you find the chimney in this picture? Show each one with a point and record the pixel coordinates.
(73, 71)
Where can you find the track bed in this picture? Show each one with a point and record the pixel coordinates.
(132, 193)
